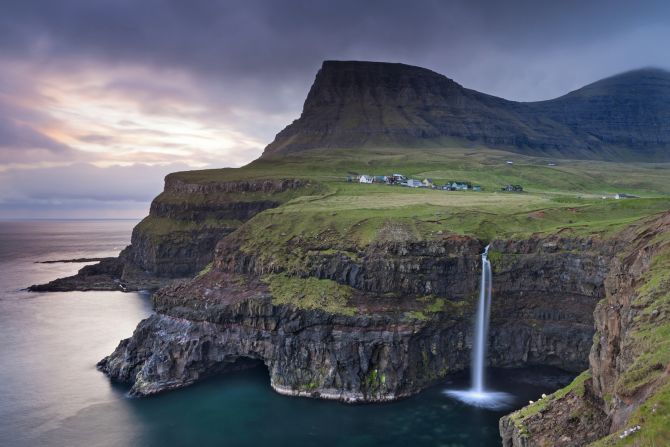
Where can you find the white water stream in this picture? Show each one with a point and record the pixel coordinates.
(477, 394)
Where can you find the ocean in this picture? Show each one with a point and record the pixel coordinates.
(52, 395)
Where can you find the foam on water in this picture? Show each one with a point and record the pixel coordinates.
(492, 400)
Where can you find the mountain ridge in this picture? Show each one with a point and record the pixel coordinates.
(355, 104)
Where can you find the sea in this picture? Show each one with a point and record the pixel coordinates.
(52, 395)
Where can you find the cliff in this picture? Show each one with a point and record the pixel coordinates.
(377, 325)
(623, 398)
(177, 239)
(372, 104)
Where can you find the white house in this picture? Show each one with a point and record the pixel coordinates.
(458, 186)
(366, 179)
(413, 183)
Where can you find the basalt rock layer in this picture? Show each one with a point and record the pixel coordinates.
(623, 398)
(405, 323)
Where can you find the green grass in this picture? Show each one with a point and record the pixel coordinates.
(160, 226)
(348, 216)
(224, 198)
(310, 293)
(653, 417)
(160, 230)
(650, 338)
(575, 387)
(432, 305)
(204, 271)
(483, 166)
(353, 216)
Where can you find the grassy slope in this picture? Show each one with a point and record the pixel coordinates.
(564, 197)
(486, 167)
(337, 216)
(348, 216)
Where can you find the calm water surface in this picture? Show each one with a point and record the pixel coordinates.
(52, 395)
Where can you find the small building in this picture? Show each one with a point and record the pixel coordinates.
(512, 188)
(625, 196)
(380, 179)
(551, 163)
(395, 179)
(366, 179)
(428, 183)
(510, 162)
(413, 183)
(476, 188)
(458, 186)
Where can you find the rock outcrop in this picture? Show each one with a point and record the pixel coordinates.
(359, 104)
(185, 222)
(405, 322)
(623, 395)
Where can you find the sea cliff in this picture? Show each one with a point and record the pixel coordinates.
(379, 325)
(622, 399)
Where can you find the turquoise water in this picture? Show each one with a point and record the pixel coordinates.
(52, 395)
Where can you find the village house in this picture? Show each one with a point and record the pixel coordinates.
(380, 179)
(512, 188)
(366, 179)
(428, 183)
(413, 183)
(456, 186)
(476, 188)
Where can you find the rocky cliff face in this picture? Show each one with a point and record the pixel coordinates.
(404, 323)
(622, 397)
(358, 104)
(185, 222)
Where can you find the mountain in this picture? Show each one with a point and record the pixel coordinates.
(376, 104)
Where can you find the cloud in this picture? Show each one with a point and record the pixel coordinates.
(16, 136)
(23, 137)
(257, 47)
(200, 83)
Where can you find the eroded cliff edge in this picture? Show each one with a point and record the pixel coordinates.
(623, 398)
(369, 323)
(177, 239)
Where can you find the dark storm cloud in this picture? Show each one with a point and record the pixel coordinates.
(250, 43)
(243, 68)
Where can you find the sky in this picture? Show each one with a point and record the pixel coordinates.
(100, 99)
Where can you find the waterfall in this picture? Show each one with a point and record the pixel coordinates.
(481, 326)
(477, 395)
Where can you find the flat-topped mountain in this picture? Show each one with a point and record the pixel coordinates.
(374, 104)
